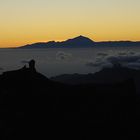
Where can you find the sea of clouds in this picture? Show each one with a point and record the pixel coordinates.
(52, 62)
(130, 59)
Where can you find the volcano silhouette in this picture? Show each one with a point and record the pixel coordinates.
(79, 41)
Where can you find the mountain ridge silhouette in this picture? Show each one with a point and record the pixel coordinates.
(34, 106)
(80, 42)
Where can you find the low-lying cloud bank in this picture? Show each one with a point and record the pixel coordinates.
(130, 60)
(63, 56)
(123, 59)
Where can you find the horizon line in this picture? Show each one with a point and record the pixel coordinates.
(59, 41)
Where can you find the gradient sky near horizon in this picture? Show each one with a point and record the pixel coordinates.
(28, 21)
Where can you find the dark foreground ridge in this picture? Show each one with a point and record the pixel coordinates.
(33, 106)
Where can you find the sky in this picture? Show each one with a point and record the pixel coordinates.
(28, 21)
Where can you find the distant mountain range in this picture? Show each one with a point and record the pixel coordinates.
(80, 42)
(111, 75)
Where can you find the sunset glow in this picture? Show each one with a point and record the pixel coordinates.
(28, 21)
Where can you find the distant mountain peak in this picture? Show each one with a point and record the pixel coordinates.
(81, 38)
(79, 41)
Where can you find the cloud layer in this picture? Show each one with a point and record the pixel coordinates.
(130, 60)
(60, 55)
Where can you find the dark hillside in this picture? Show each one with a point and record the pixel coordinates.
(35, 107)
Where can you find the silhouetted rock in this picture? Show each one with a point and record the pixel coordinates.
(26, 78)
(34, 106)
(32, 65)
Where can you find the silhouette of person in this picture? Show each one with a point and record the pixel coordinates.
(32, 65)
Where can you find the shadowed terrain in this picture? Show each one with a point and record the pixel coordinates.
(33, 106)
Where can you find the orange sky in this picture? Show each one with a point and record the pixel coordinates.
(29, 21)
